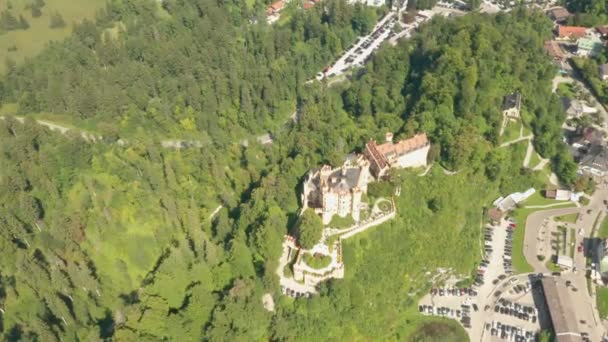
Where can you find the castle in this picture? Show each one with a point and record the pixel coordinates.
(338, 191)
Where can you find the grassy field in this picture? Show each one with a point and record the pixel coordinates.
(432, 329)
(567, 218)
(539, 200)
(603, 232)
(602, 301)
(511, 131)
(30, 42)
(519, 260)
(534, 160)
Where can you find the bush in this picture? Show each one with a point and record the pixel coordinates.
(540, 257)
(310, 229)
(36, 12)
(380, 189)
(56, 21)
(317, 261)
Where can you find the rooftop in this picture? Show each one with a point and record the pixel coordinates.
(595, 158)
(571, 31)
(404, 146)
(559, 13)
(554, 50)
(589, 43)
(512, 101)
(560, 310)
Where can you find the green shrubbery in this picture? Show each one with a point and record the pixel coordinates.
(317, 261)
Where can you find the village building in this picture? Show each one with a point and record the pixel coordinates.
(603, 72)
(553, 49)
(585, 137)
(511, 106)
(594, 161)
(406, 153)
(589, 46)
(275, 7)
(602, 31)
(337, 191)
(570, 32)
(558, 14)
(576, 108)
(510, 202)
(558, 194)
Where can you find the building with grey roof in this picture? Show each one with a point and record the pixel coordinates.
(561, 312)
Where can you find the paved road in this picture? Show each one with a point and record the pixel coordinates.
(533, 224)
(586, 310)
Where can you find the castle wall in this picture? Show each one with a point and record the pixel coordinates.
(414, 159)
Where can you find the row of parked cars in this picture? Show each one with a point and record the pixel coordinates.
(508, 250)
(439, 311)
(511, 333)
(295, 294)
(454, 291)
(466, 315)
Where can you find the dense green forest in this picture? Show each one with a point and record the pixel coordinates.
(101, 240)
(141, 66)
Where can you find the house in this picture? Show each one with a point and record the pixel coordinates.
(308, 5)
(603, 72)
(589, 46)
(571, 32)
(511, 106)
(553, 49)
(565, 261)
(558, 194)
(558, 14)
(510, 202)
(275, 8)
(602, 31)
(574, 108)
(337, 191)
(406, 153)
(585, 137)
(594, 162)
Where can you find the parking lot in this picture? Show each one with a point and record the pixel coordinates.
(362, 49)
(498, 306)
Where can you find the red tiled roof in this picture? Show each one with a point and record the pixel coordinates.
(404, 146)
(553, 49)
(603, 30)
(571, 31)
(309, 5)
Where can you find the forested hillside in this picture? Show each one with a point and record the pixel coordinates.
(191, 67)
(108, 241)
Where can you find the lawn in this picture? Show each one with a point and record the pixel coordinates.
(30, 42)
(534, 160)
(539, 200)
(601, 295)
(603, 233)
(341, 222)
(567, 218)
(317, 261)
(438, 329)
(511, 131)
(551, 266)
(520, 264)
